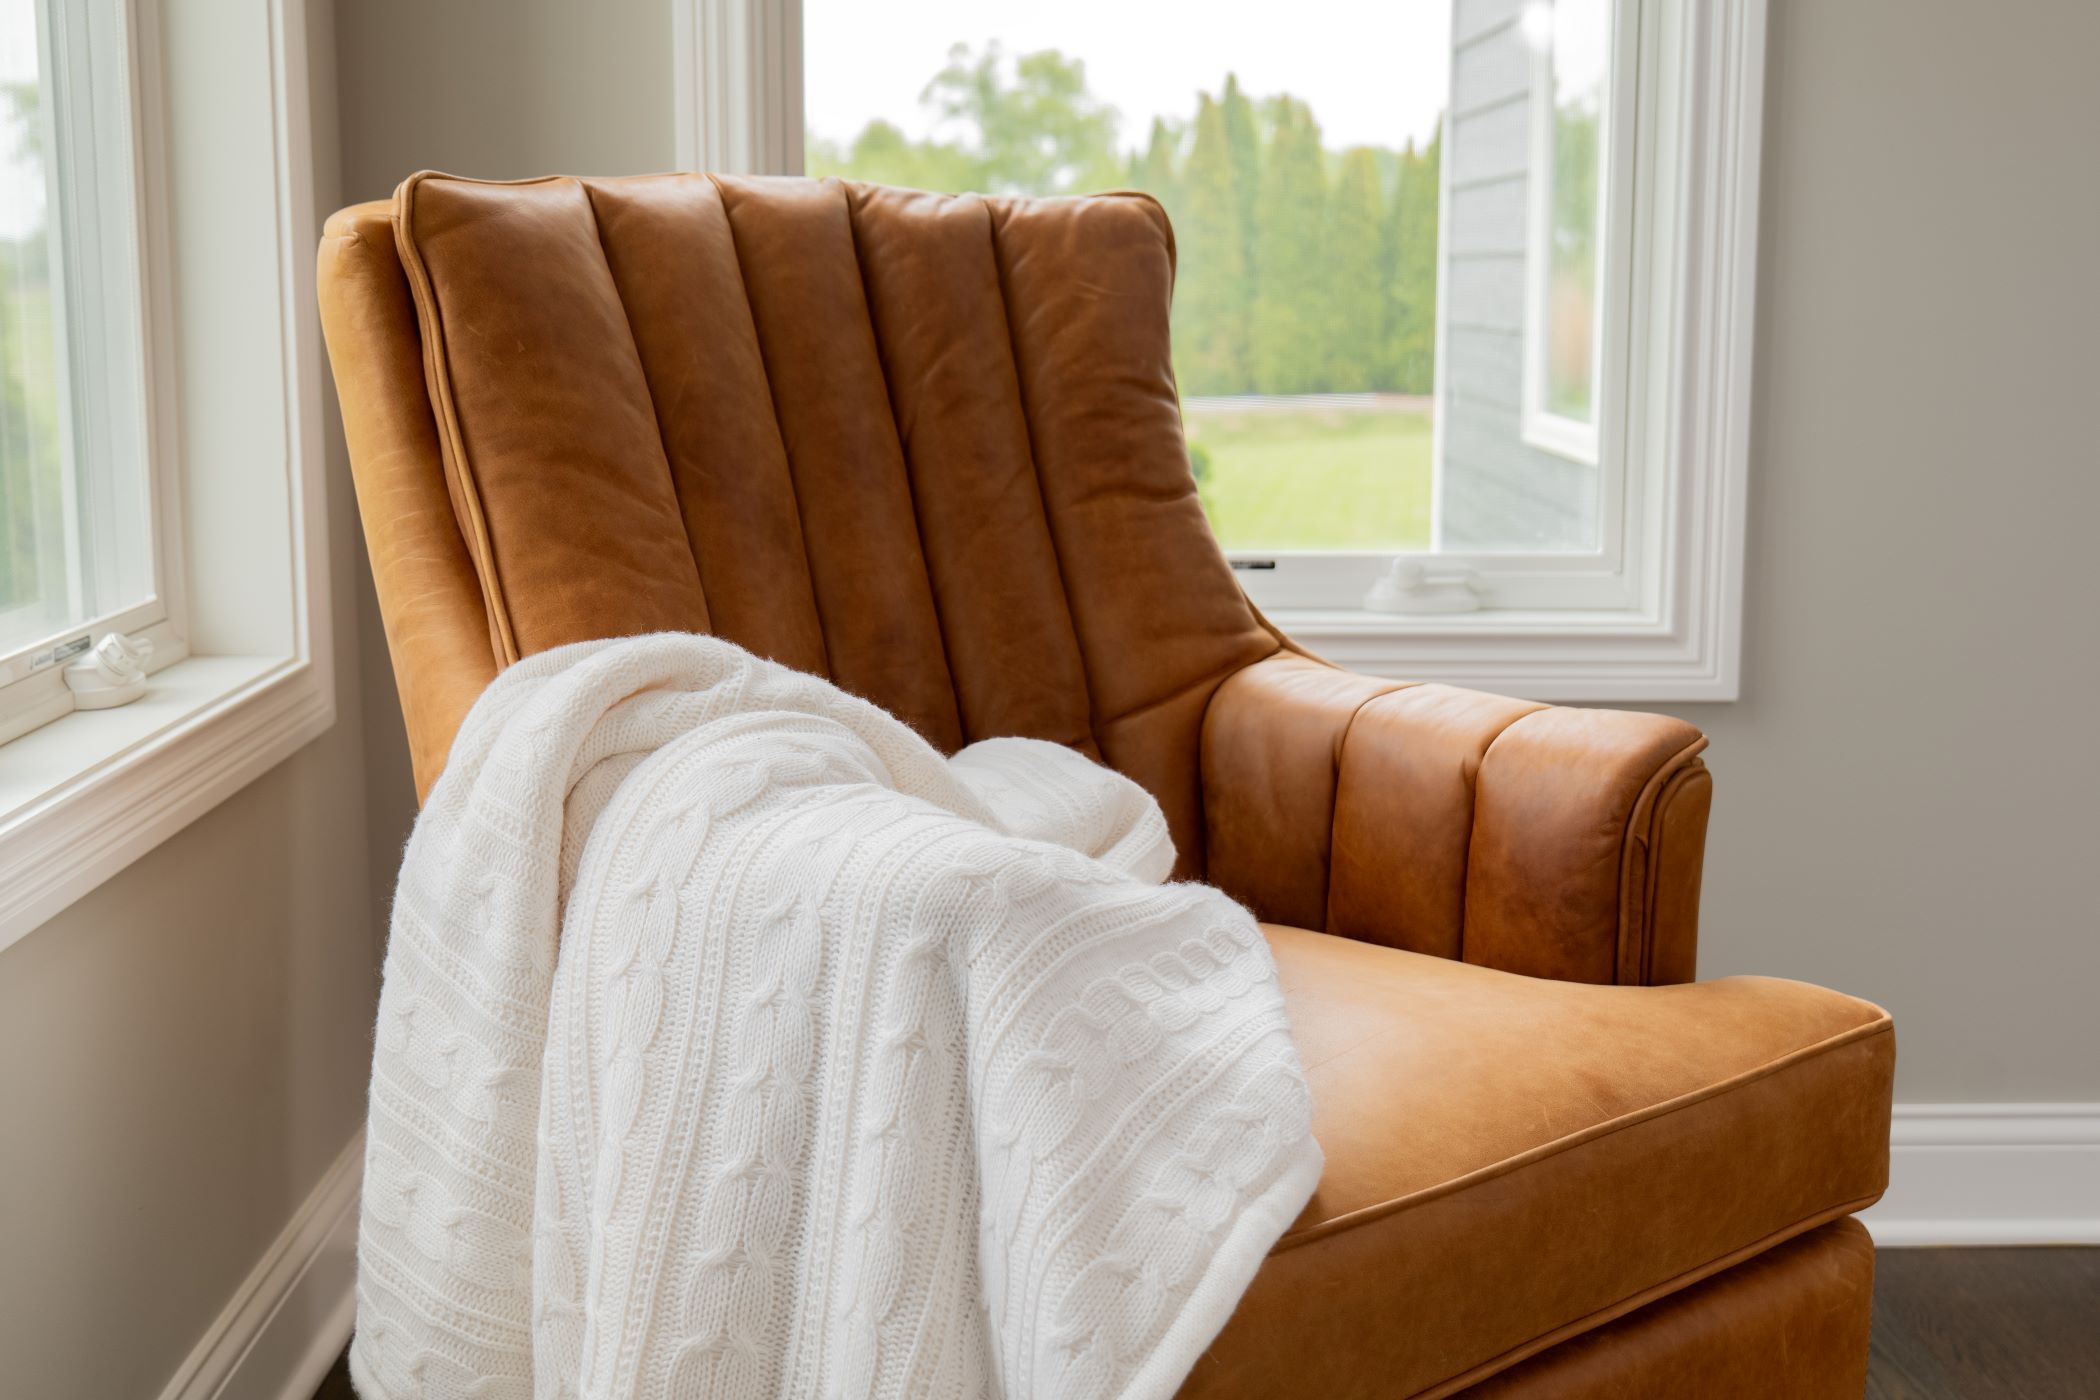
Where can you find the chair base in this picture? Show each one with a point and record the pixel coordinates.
(1792, 1321)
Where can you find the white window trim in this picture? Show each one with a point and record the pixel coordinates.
(1659, 623)
(737, 85)
(85, 796)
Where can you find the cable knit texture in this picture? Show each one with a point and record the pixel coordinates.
(735, 1042)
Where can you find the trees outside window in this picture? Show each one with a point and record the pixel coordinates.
(1306, 273)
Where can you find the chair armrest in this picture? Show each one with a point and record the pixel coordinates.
(1546, 840)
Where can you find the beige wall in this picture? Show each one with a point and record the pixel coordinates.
(502, 89)
(1908, 793)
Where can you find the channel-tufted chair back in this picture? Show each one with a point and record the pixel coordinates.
(927, 446)
(930, 447)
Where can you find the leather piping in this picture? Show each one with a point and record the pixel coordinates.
(656, 416)
(1636, 872)
(1465, 860)
(1592, 1321)
(1334, 794)
(994, 220)
(438, 374)
(1364, 1215)
(809, 568)
(1035, 475)
(998, 212)
(849, 192)
(1652, 861)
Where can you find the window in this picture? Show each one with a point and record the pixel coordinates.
(77, 522)
(1302, 178)
(1463, 313)
(112, 273)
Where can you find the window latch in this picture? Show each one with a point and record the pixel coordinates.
(113, 674)
(1412, 586)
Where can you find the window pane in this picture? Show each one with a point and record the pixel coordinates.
(39, 590)
(1301, 174)
(1519, 470)
(1362, 368)
(1581, 37)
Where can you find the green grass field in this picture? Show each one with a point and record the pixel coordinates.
(1317, 478)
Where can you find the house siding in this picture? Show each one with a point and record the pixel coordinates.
(1498, 492)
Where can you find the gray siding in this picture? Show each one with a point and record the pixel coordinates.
(1498, 492)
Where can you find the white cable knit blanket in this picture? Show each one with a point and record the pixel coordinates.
(736, 1043)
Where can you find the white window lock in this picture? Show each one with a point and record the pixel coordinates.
(1415, 586)
(112, 674)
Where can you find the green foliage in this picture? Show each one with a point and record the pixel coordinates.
(1243, 142)
(885, 155)
(1301, 270)
(29, 447)
(28, 423)
(1201, 469)
(1314, 478)
(1212, 304)
(19, 106)
(1572, 271)
(1409, 362)
(1356, 344)
(1296, 293)
(1575, 180)
(1157, 171)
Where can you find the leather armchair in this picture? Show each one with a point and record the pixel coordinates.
(931, 448)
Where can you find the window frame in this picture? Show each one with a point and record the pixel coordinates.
(227, 265)
(1653, 613)
(88, 63)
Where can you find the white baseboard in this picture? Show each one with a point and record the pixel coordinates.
(2024, 1173)
(290, 1318)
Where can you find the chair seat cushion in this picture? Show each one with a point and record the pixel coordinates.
(1512, 1161)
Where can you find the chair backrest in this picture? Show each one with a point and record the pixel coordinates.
(927, 446)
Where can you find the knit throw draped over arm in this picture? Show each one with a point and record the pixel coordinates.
(735, 1042)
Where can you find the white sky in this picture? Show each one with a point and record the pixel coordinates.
(1374, 71)
(21, 183)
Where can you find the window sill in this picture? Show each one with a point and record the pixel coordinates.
(84, 796)
(1560, 656)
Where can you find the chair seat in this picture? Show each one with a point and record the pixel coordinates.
(1513, 1161)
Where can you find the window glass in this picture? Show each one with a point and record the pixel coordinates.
(1580, 37)
(1301, 177)
(39, 586)
(1522, 348)
(76, 548)
(1351, 191)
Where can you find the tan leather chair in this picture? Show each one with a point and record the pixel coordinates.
(930, 447)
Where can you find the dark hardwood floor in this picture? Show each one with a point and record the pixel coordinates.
(1986, 1324)
(1949, 1324)
(336, 1384)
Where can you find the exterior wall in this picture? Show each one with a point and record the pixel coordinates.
(1498, 493)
